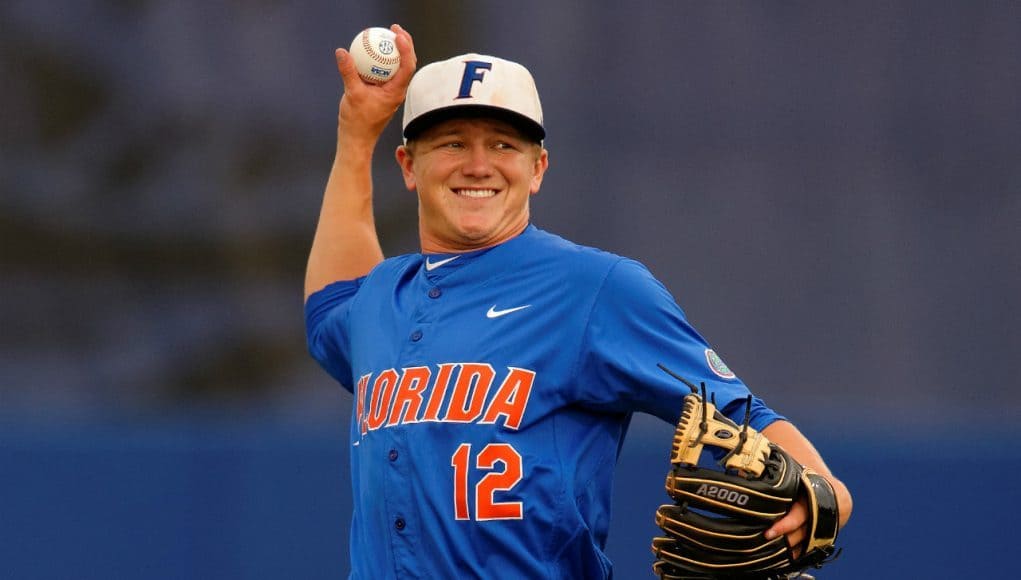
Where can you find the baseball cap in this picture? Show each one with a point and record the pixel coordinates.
(473, 85)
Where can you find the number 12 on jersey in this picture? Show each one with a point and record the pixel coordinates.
(486, 508)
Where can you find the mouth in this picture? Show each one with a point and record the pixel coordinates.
(475, 193)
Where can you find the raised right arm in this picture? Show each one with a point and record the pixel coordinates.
(345, 245)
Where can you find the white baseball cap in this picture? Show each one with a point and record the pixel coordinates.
(473, 85)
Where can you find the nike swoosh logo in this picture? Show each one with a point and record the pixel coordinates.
(494, 313)
(430, 266)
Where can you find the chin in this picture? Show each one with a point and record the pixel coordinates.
(476, 230)
(474, 236)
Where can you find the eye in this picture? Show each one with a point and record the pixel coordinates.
(448, 142)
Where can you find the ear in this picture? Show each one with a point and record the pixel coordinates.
(406, 162)
(539, 170)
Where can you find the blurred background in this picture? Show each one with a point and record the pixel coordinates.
(832, 191)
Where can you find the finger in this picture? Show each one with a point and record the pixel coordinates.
(346, 67)
(795, 519)
(795, 539)
(406, 48)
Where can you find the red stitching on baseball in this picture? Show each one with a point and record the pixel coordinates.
(371, 51)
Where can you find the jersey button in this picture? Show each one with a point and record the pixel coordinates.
(399, 524)
(393, 455)
(416, 336)
(435, 292)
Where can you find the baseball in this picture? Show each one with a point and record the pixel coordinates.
(375, 55)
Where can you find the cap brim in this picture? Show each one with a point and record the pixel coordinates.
(528, 127)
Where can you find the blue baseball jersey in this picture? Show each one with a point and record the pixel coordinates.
(492, 393)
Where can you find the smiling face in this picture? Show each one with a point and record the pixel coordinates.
(474, 177)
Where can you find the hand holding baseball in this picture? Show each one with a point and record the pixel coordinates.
(368, 104)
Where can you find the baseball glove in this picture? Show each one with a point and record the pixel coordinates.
(715, 529)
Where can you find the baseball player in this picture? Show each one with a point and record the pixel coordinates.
(495, 373)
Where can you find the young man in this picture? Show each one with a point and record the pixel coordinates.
(494, 373)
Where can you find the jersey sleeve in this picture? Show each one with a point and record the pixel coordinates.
(327, 331)
(634, 325)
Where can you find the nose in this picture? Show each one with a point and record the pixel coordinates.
(477, 163)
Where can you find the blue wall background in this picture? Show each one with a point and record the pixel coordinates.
(831, 191)
(257, 500)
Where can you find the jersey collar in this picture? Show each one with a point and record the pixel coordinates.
(439, 266)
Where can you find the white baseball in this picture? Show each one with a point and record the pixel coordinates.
(375, 54)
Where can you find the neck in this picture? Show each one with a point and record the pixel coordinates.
(434, 245)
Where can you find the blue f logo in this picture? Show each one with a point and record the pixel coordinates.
(474, 71)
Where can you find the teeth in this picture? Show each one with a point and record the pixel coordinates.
(476, 192)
